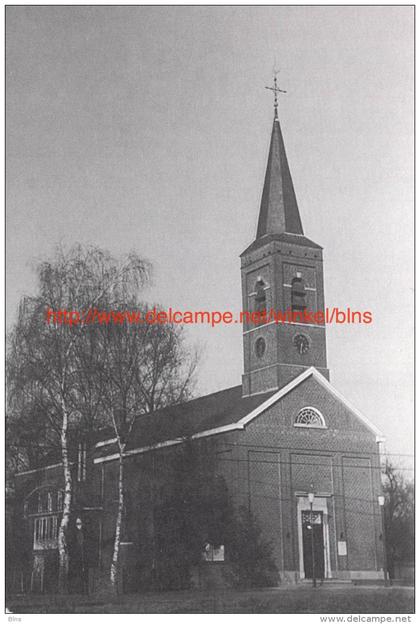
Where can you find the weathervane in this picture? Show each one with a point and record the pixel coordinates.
(275, 90)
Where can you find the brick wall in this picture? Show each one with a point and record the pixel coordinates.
(267, 466)
(276, 462)
(277, 263)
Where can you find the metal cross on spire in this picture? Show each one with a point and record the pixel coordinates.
(275, 90)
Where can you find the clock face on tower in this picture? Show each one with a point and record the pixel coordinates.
(301, 342)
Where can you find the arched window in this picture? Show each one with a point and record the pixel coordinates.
(310, 417)
(298, 294)
(260, 297)
(260, 347)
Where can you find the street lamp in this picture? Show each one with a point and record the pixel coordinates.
(311, 497)
(381, 501)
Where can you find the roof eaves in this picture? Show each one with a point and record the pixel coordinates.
(167, 443)
(300, 240)
(241, 424)
(26, 472)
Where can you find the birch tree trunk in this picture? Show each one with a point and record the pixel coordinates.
(65, 521)
(118, 525)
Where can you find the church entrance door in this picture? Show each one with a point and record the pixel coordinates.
(312, 524)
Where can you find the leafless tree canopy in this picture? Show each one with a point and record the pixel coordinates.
(81, 377)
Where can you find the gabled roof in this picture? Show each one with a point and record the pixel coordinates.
(176, 422)
(207, 412)
(310, 372)
(213, 414)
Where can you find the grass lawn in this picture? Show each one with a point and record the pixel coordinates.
(293, 599)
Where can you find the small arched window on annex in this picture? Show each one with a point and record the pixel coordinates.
(310, 418)
(260, 296)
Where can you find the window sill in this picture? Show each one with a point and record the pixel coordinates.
(309, 426)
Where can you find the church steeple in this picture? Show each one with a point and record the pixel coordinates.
(279, 211)
(282, 271)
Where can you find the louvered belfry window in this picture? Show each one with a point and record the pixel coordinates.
(260, 296)
(298, 294)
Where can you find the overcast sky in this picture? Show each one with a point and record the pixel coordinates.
(147, 128)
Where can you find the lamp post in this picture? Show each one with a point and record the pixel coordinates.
(311, 497)
(381, 501)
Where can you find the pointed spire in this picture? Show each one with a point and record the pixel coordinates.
(279, 210)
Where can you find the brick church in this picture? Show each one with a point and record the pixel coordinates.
(292, 448)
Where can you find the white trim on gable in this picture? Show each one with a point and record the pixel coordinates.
(365, 420)
(241, 424)
(276, 397)
(310, 372)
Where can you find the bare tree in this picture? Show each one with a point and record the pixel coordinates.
(146, 366)
(167, 373)
(44, 359)
(399, 516)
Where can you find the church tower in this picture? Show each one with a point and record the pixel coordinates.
(281, 271)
